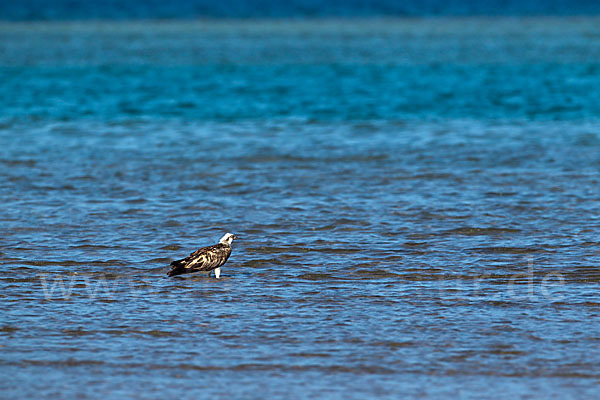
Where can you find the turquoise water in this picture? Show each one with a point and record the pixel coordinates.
(320, 92)
(417, 203)
(368, 69)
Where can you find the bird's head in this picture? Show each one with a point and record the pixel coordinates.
(228, 238)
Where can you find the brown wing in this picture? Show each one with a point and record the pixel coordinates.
(204, 259)
(200, 251)
(209, 258)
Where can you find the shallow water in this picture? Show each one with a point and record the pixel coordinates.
(415, 219)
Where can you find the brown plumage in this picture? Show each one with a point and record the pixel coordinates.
(205, 259)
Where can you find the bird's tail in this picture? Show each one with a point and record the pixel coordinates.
(177, 268)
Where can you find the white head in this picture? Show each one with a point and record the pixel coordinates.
(228, 238)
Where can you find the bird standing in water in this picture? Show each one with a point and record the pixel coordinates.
(205, 259)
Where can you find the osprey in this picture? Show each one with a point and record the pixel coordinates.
(205, 259)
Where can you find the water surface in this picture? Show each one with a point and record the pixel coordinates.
(417, 204)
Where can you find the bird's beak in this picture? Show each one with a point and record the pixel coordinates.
(235, 236)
